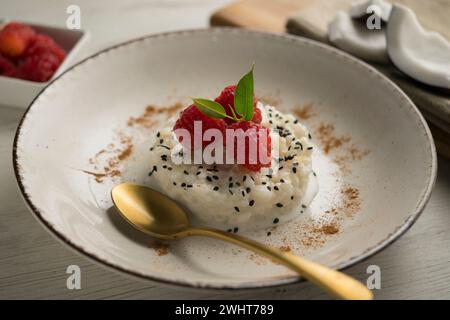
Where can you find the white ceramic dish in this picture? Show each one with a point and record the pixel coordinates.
(80, 112)
(19, 93)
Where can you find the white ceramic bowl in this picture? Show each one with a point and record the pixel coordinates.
(79, 112)
(19, 93)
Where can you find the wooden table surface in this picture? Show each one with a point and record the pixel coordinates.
(33, 264)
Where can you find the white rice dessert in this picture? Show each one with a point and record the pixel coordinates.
(231, 198)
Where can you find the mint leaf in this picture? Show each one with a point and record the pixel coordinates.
(243, 97)
(210, 108)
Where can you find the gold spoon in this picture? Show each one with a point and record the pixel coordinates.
(159, 216)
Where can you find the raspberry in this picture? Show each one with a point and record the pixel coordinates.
(40, 44)
(14, 39)
(6, 67)
(39, 67)
(226, 99)
(257, 116)
(262, 146)
(191, 114)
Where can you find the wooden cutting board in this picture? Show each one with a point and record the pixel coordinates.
(259, 14)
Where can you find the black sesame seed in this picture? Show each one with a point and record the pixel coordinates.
(280, 168)
(216, 188)
(276, 188)
(244, 178)
(243, 193)
(189, 185)
(292, 197)
(169, 168)
(303, 206)
(198, 173)
(296, 121)
(183, 184)
(263, 182)
(309, 148)
(251, 203)
(230, 179)
(231, 185)
(235, 230)
(231, 192)
(174, 183)
(248, 190)
(276, 220)
(279, 205)
(161, 141)
(185, 172)
(158, 134)
(282, 180)
(209, 178)
(151, 149)
(237, 209)
(154, 169)
(269, 233)
(230, 230)
(164, 167)
(309, 136)
(269, 176)
(294, 169)
(314, 174)
(269, 188)
(253, 179)
(215, 177)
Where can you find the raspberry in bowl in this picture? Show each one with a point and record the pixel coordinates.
(31, 56)
(256, 166)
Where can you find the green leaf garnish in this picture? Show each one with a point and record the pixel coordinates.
(210, 108)
(243, 97)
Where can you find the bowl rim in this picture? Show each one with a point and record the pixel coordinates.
(254, 284)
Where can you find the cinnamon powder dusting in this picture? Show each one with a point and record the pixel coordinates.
(161, 248)
(328, 138)
(285, 248)
(339, 146)
(330, 228)
(108, 161)
(147, 119)
(305, 112)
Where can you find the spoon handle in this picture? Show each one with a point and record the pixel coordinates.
(337, 283)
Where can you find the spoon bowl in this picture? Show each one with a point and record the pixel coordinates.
(150, 211)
